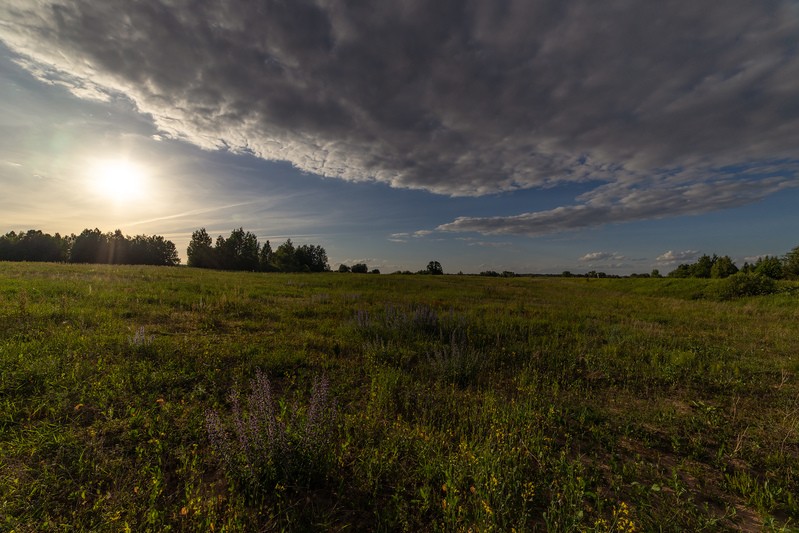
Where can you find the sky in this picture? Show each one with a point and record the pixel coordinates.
(532, 136)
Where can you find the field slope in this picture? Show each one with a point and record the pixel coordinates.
(176, 399)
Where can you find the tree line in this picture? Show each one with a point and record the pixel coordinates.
(242, 251)
(91, 246)
(707, 266)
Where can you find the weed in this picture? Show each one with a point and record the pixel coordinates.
(456, 362)
(265, 448)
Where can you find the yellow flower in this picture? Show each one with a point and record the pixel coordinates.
(487, 508)
(529, 491)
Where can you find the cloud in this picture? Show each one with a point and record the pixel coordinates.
(404, 236)
(631, 199)
(594, 257)
(674, 108)
(675, 257)
(490, 244)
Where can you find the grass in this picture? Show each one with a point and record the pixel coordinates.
(449, 403)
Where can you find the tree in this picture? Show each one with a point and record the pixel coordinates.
(769, 266)
(265, 258)
(723, 267)
(200, 253)
(682, 271)
(790, 263)
(703, 267)
(343, 268)
(311, 258)
(434, 267)
(151, 250)
(91, 246)
(360, 268)
(284, 257)
(162, 252)
(238, 252)
(33, 245)
(117, 248)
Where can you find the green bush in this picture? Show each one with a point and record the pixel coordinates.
(745, 284)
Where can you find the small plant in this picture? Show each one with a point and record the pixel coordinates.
(263, 448)
(140, 339)
(457, 362)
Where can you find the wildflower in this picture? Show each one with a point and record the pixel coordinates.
(183, 511)
(621, 517)
(529, 491)
(444, 487)
(487, 508)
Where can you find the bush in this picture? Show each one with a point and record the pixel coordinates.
(261, 446)
(745, 284)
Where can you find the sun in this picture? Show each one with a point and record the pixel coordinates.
(118, 180)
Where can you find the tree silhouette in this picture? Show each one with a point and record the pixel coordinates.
(200, 253)
(265, 258)
(434, 267)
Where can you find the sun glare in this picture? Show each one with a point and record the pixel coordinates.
(118, 180)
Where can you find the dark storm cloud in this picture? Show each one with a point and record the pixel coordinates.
(658, 100)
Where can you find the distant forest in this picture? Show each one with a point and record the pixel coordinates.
(91, 246)
(239, 251)
(242, 251)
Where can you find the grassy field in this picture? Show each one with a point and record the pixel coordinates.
(175, 399)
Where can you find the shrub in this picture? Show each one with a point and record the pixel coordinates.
(261, 447)
(745, 284)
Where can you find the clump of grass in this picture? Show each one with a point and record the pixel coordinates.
(405, 322)
(262, 449)
(456, 362)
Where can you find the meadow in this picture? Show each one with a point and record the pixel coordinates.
(178, 399)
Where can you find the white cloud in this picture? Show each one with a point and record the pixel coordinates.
(593, 257)
(674, 257)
